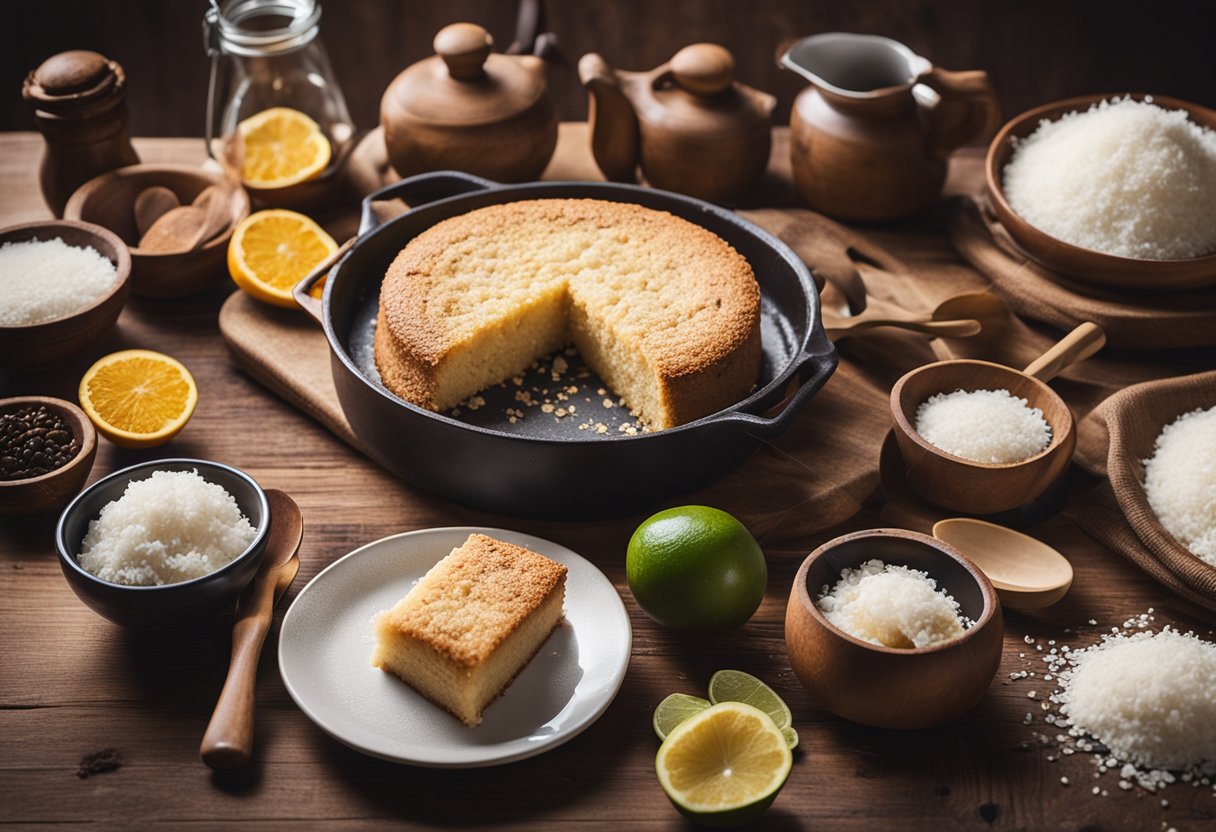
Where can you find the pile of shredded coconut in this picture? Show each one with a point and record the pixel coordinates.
(45, 279)
(172, 527)
(1180, 481)
(991, 426)
(893, 606)
(1125, 177)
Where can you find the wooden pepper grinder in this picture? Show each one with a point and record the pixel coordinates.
(79, 98)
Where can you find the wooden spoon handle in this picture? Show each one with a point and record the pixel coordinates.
(1076, 346)
(842, 327)
(228, 741)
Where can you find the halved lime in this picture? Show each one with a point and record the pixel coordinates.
(675, 709)
(737, 686)
(724, 766)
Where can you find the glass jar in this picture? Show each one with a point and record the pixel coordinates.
(267, 54)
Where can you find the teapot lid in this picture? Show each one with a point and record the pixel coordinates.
(464, 83)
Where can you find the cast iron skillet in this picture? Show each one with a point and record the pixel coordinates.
(544, 465)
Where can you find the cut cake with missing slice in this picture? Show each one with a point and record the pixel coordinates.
(471, 624)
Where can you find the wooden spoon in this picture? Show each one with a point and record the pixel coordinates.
(1027, 573)
(228, 741)
(949, 320)
(176, 231)
(217, 202)
(151, 204)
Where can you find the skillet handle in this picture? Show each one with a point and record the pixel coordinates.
(302, 291)
(813, 369)
(419, 190)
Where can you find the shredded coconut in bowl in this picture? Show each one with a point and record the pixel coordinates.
(893, 606)
(989, 426)
(1180, 481)
(172, 527)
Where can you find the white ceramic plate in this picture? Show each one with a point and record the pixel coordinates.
(327, 638)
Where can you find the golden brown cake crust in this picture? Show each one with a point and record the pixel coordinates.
(697, 322)
(474, 598)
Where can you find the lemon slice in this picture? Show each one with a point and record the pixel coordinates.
(281, 147)
(138, 398)
(271, 251)
(675, 709)
(725, 765)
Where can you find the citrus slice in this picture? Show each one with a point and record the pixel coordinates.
(675, 709)
(281, 147)
(737, 686)
(724, 765)
(271, 251)
(138, 398)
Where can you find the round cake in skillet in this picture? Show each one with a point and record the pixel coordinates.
(665, 311)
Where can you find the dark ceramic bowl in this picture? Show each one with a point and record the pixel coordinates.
(180, 603)
(49, 492)
(887, 687)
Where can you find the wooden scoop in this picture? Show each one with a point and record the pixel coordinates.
(175, 231)
(216, 201)
(228, 741)
(151, 204)
(1027, 573)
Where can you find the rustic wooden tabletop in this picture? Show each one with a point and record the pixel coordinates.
(72, 684)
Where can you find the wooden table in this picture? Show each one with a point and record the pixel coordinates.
(72, 684)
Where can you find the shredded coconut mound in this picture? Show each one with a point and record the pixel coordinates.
(1149, 698)
(1180, 481)
(1125, 177)
(894, 606)
(172, 527)
(45, 279)
(992, 426)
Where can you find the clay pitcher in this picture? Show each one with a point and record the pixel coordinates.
(871, 136)
(687, 124)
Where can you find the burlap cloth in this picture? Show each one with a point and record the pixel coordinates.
(818, 474)
(1116, 437)
(1166, 320)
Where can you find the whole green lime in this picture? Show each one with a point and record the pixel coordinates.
(696, 568)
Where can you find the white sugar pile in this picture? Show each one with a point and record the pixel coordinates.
(1149, 698)
(1180, 481)
(1125, 177)
(991, 426)
(172, 527)
(891, 605)
(45, 279)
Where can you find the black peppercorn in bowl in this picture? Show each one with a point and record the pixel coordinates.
(186, 603)
(47, 448)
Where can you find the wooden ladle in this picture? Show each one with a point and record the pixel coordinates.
(979, 487)
(1027, 573)
(228, 741)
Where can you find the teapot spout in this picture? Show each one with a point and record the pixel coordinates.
(614, 124)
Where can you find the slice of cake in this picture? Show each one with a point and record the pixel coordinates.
(471, 624)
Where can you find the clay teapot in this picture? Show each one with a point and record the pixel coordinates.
(871, 136)
(688, 123)
(467, 109)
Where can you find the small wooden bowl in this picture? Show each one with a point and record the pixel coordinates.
(51, 491)
(46, 344)
(978, 487)
(1106, 271)
(888, 687)
(108, 200)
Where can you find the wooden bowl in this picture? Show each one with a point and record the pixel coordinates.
(1106, 271)
(51, 491)
(108, 200)
(978, 487)
(178, 604)
(888, 687)
(46, 344)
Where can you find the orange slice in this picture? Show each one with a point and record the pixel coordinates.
(271, 251)
(138, 398)
(281, 147)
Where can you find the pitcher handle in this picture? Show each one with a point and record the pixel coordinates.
(969, 108)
